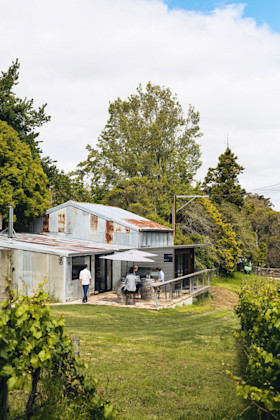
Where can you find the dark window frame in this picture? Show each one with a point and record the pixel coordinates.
(80, 267)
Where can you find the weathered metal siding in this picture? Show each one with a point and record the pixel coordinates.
(69, 221)
(73, 223)
(53, 223)
(155, 239)
(117, 273)
(109, 233)
(93, 228)
(73, 289)
(24, 270)
(31, 268)
(80, 223)
(5, 271)
(46, 224)
(61, 221)
(48, 267)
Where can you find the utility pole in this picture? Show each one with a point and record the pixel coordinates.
(174, 208)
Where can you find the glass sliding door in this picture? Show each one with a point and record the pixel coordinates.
(103, 274)
(184, 263)
(181, 264)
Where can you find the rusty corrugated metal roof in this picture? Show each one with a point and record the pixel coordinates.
(145, 224)
(55, 245)
(115, 214)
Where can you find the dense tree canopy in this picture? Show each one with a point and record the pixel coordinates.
(222, 182)
(22, 180)
(63, 186)
(265, 223)
(20, 114)
(148, 136)
(147, 152)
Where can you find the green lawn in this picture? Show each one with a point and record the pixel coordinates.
(232, 283)
(167, 364)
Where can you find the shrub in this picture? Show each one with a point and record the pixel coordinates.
(35, 350)
(259, 312)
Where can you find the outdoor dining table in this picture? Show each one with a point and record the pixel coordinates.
(146, 290)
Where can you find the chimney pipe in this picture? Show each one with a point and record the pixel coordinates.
(11, 221)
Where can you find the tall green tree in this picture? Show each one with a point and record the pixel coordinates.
(241, 226)
(136, 195)
(18, 113)
(201, 222)
(23, 182)
(222, 184)
(265, 223)
(63, 186)
(21, 115)
(148, 136)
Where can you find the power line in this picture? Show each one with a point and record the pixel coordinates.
(268, 186)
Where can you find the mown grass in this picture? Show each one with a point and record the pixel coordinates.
(167, 364)
(232, 283)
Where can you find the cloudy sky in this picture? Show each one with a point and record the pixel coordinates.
(223, 57)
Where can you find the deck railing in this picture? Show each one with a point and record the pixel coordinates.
(267, 272)
(188, 284)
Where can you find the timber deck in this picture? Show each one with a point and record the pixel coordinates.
(163, 301)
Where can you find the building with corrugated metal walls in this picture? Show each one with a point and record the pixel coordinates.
(68, 236)
(102, 224)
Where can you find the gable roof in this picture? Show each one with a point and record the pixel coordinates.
(114, 214)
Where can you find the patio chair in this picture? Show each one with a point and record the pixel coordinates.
(130, 298)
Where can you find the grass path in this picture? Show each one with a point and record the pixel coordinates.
(167, 364)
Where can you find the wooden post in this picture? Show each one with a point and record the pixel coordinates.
(4, 402)
(156, 290)
(76, 344)
(3, 399)
(174, 217)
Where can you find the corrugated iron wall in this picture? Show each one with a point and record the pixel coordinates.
(77, 224)
(31, 268)
(5, 271)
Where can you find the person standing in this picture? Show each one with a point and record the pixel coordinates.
(160, 275)
(85, 281)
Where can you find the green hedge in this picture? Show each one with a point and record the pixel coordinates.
(259, 312)
(36, 356)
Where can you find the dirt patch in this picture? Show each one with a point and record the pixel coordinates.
(223, 299)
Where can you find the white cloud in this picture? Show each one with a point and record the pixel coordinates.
(79, 55)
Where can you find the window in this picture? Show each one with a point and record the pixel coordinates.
(78, 264)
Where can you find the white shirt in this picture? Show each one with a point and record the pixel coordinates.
(85, 276)
(130, 283)
(161, 276)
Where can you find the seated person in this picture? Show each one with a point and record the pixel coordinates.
(130, 282)
(138, 283)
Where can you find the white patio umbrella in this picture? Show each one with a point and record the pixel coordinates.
(126, 256)
(143, 253)
(131, 255)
